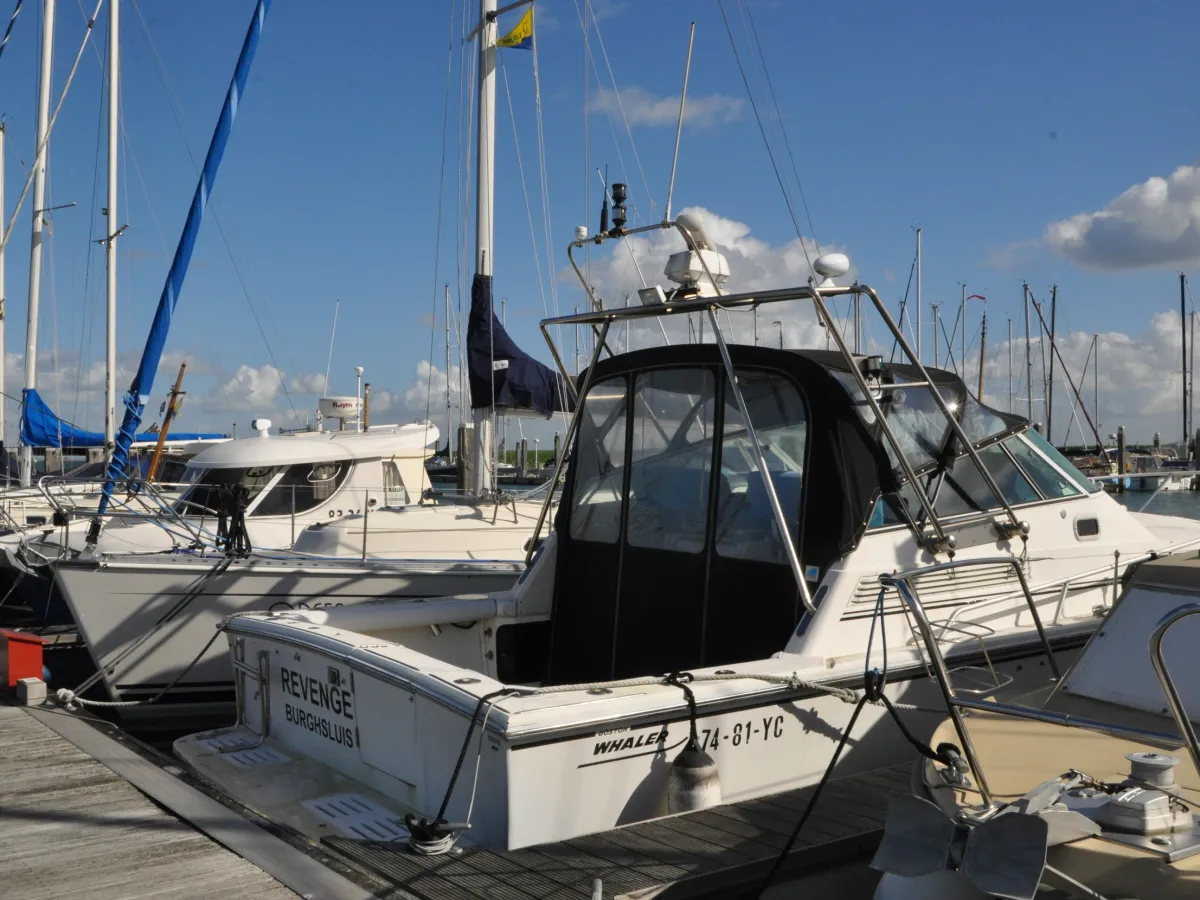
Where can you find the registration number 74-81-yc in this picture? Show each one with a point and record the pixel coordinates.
(753, 730)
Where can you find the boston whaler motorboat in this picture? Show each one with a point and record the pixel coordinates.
(693, 626)
(1086, 788)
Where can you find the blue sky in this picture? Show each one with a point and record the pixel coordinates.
(982, 124)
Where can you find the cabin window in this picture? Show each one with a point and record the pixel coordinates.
(394, 492)
(918, 423)
(600, 464)
(1052, 483)
(964, 490)
(980, 423)
(746, 525)
(1051, 452)
(671, 460)
(302, 487)
(209, 489)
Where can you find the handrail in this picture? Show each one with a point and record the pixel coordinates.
(955, 705)
(909, 574)
(1164, 676)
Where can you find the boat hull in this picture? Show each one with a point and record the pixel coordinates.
(144, 622)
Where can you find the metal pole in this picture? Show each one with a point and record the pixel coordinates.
(3, 301)
(1183, 336)
(39, 202)
(935, 334)
(1096, 385)
(760, 458)
(687, 71)
(1028, 354)
(1010, 381)
(1050, 378)
(919, 359)
(963, 316)
(113, 226)
(1178, 711)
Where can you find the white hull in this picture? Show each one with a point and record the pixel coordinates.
(542, 777)
(145, 620)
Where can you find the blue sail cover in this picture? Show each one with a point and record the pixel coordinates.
(40, 427)
(143, 381)
(515, 380)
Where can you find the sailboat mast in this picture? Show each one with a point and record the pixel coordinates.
(110, 243)
(484, 169)
(1028, 354)
(39, 203)
(3, 311)
(1050, 379)
(1010, 383)
(449, 414)
(919, 295)
(1184, 342)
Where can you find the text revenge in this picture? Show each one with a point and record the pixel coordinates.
(329, 697)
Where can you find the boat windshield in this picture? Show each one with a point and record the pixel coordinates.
(206, 489)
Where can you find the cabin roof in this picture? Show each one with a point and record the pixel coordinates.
(417, 440)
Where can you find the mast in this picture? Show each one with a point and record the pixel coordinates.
(1096, 381)
(918, 295)
(963, 315)
(1010, 383)
(1050, 378)
(1028, 355)
(1183, 335)
(481, 469)
(935, 334)
(982, 350)
(449, 414)
(110, 243)
(168, 418)
(3, 302)
(39, 202)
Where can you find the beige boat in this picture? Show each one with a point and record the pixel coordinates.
(1088, 788)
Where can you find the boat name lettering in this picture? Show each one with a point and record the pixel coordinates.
(326, 696)
(656, 735)
(339, 734)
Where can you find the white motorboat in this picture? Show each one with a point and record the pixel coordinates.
(703, 601)
(1088, 788)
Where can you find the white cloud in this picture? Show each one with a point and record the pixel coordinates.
(1155, 223)
(248, 390)
(753, 263)
(307, 384)
(428, 389)
(644, 108)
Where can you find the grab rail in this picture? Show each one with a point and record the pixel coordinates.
(955, 705)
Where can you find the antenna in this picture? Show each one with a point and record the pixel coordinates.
(332, 335)
(687, 71)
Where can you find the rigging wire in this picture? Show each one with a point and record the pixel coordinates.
(766, 142)
(173, 102)
(437, 244)
(11, 22)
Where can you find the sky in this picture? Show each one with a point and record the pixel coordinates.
(1026, 140)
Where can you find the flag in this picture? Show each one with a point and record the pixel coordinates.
(521, 37)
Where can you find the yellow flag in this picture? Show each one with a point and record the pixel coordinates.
(521, 37)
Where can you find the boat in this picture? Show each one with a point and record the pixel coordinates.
(1086, 787)
(144, 614)
(682, 637)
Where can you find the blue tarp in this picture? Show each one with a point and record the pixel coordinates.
(40, 427)
(501, 374)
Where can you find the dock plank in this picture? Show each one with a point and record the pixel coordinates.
(693, 854)
(71, 827)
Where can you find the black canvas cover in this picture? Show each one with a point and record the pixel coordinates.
(624, 611)
(500, 373)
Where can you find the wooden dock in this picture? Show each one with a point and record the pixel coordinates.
(86, 812)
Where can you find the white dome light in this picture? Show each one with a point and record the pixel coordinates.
(830, 266)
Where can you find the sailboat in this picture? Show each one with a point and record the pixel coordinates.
(143, 613)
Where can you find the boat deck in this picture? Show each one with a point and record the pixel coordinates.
(86, 811)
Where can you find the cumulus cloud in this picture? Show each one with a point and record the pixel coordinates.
(248, 390)
(1155, 223)
(307, 384)
(645, 108)
(428, 389)
(754, 264)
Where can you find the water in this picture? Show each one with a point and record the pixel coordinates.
(1166, 503)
